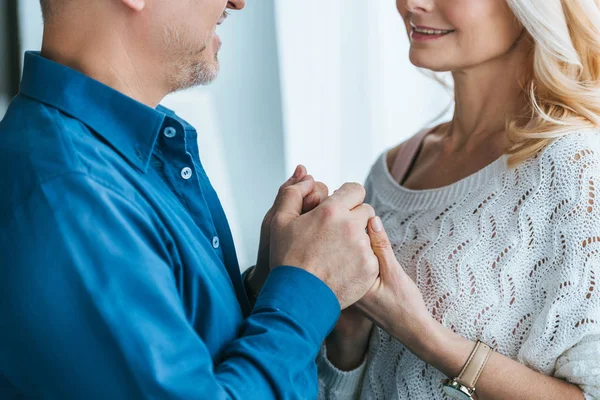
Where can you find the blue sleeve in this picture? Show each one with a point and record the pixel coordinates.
(90, 310)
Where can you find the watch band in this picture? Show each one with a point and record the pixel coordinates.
(474, 365)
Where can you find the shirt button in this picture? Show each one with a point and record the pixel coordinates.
(215, 242)
(170, 132)
(186, 173)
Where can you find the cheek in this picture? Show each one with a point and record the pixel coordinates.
(401, 8)
(485, 28)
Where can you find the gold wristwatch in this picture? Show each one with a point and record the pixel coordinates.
(463, 386)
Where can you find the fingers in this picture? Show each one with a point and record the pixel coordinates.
(322, 190)
(290, 199)
(315, 198)
(350, 195)
(311, 202)
(363, 213)
(388, 264)
(299, 174)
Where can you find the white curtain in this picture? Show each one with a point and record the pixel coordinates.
(348, 89)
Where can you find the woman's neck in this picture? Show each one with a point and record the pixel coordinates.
(485, 96)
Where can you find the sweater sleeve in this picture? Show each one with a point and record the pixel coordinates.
(564, 340)
(335, 384)
(581, 366)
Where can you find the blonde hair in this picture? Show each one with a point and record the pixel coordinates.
(563, 84)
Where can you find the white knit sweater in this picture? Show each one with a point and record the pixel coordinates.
(507, 256)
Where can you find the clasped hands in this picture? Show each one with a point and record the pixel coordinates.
(340, 240)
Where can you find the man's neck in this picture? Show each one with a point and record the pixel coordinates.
(106, 57)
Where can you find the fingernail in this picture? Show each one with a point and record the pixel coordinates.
(377, 225)
(296, 172)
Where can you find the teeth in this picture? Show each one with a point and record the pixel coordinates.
(430, 31)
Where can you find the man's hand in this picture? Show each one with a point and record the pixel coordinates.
(330, 241)
(258, 275)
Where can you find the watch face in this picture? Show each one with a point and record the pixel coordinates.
(455, 393)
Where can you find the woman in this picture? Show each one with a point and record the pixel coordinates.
(494, 225)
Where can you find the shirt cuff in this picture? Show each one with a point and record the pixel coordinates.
(249, 294)
(303, 296)
(346, 384)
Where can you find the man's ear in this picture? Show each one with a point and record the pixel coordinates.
(135, 5)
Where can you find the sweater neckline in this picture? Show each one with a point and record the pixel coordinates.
(395, 193)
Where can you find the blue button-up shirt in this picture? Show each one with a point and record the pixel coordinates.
(118, 274)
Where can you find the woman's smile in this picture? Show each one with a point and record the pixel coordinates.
(425, 33)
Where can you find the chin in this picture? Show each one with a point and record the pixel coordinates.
(430, 62)
(206, 76)
(198, 73)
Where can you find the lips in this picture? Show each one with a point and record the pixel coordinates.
(420, 33)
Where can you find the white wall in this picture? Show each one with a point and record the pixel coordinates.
(31, 26)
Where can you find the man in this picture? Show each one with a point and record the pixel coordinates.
(118, 275)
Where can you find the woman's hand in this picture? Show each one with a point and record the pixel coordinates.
(396, 305)
(394, 302)
(259, 273)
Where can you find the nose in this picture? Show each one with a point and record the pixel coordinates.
(419, 6)
(236, 4)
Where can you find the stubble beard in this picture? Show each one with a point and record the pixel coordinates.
(187, 67)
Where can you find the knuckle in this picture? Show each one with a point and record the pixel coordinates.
(365, 245)
(381, 243)
(277, 222)
(323, 188)
(349, 228)
(384, 241)
(328, 211)
(357, 187)
(289, 191)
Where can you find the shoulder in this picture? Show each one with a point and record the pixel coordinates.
(572, 157)
(40, 144)
(32, 131)
(573, 147)
(569, 171)
(34, 148)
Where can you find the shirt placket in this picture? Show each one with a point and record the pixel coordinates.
(185, 177)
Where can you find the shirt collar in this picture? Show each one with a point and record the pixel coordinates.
(129, 126)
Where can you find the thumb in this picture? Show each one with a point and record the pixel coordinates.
(289, 201)
(382, 248)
